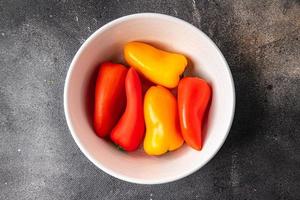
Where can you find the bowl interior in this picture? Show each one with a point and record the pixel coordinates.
(167, 33)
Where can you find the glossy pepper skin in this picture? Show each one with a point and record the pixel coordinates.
(129, 131)
(160, 67)
(162, 125)
(194, 95)
(110, 98)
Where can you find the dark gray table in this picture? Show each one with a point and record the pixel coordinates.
(261, 157)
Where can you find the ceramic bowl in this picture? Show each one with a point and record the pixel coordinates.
(168, 33)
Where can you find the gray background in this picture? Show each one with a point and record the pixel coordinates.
(260, 158)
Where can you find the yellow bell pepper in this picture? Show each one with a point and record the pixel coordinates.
(161, 118)
(161, 67)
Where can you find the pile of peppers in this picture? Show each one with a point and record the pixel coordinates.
(137, 105)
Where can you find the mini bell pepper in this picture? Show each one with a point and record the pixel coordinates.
(129, 131)
(110, 98)
(162, 123)
(194, 95)
(160, 67)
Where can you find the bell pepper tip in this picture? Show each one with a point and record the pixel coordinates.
(199, 148)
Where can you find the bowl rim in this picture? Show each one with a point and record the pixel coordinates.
(66, 100)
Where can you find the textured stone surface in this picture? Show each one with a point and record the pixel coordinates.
(261, 157)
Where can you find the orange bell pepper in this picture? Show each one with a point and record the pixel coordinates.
(161, 117)
(160, 67)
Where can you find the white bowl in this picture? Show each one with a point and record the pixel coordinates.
(168, 33)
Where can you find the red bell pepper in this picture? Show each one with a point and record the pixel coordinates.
(110, 98)
(193, 99)
(129, 131)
